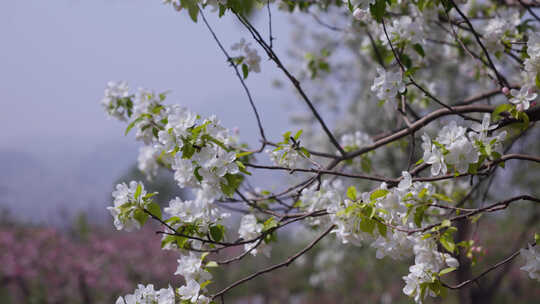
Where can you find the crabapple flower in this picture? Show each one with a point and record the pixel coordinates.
(433, 156)
(115, 94)
(405, 29)
(499, 27)
(147, 295)
(285, 155)
(388, 84)
(522, 98)
(250, 229)
(190, 267)
(126, 205)
(147, 161)
(362, 15)
(190, 291)
(450, 134)
(483, 128)
(250, 57)
(461, 154)
(532, 261)
(200, 211)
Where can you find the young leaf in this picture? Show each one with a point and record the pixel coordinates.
(154, 209)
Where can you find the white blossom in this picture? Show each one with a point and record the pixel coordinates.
(125, 204)
(147, 161)
(387, 84)
(147, 295)
(523, 97)
(461, 154)
(251, 229)
(250, 58)
(113, 92)
(532, 261)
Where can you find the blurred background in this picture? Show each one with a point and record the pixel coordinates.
(60, 158)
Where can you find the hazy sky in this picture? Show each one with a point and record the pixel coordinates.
(56, 57)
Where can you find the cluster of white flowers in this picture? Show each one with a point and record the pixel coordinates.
(500, 27)
(532, 261)
(250, 56)
(147, 161)
(362, 14)
(387, 84)
(127, 202)
(202, 155)
(405, 29)
(250, 229)
(523, 98)
(456, 148)
(190, 267)
(356, 227)
(147, 295)
(428, 263)
(286, 155)
(115, 94)
(532, 64)
(199, 152)
(199, 211)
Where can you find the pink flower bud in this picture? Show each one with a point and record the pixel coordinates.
(505, 91)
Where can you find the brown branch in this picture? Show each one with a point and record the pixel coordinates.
(272, 55)
(240, 78)
(467, 282)
(274, 267)
(502, 81)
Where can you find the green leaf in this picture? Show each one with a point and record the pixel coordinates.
(173, 220)
(367, 225)
(197, 175)
(298, 134)
(421, 160)
(154, 209)
(377, 10)
(270, 224)
(406, 60)
(140, 216)
(378, 193)
(217, 232)
(242, 154)
(245, 70)
(447, 4)
(132, 124)
(351, 193)
(231, 184)
(446, 223)
(505, 107)
(193, 8)
(422, 193)
(419, 49)
(138, 192)
(204, 284)
(447, 242)
(212, 264)
(242, 167)
(537, 238)
(442, 197)
(419, 215)
(149, 195)
(447, 270)
(382, 228)
(537, 80)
